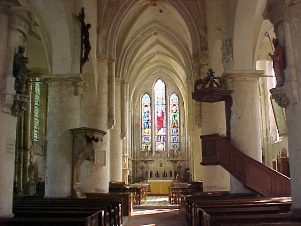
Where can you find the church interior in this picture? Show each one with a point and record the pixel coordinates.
(107, 103)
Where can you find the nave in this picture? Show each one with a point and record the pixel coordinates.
(156, 211)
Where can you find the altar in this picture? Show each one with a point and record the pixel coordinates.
(159, 187)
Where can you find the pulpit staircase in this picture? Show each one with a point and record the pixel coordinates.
(218, 150)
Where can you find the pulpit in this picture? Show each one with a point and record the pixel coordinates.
(83, 149)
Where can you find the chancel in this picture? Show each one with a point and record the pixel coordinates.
(108, 107)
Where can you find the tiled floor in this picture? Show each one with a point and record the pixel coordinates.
(156, 211)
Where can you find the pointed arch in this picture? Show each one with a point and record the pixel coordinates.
(174, 120)
(160, 115)
(146, 125)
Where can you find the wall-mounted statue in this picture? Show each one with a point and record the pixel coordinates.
(20, 71)
(85, 39)
(279, 62)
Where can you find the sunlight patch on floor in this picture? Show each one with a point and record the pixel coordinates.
(141, 212)
(157, 199)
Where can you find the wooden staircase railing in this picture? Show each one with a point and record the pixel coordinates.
(219, 150)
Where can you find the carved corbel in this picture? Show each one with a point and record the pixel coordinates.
(20, 104)
(84, 140)
(280, 97)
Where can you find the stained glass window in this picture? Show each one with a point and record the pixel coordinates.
(36, 111)
(160, 116)
(174, 122)
(146, 122)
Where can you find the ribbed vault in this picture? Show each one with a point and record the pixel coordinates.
(149, 37)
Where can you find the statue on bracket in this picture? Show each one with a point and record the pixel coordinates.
(85, 39)
(20, 71)
(279, 62)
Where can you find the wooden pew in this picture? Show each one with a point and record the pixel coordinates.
(139, 191)
(193, 203)
(84, 219)
(254, 219)
(178, 190)
(101, 221)
(206, 216)
(126, 198)
(244, 204)
(112, 207)
(188, 201)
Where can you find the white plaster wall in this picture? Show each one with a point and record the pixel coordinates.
(7, 162)
(95, 176)
(63, 115)
(213, 115)
(245, 34)
(196, 158)
(53, 15)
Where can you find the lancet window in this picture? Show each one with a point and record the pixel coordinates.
(160, 120)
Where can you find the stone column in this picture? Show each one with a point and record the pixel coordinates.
(116, 142)
(7, 155)
(245, 119)
(111, 94)
(286, 18)
(14, 26)
(95, 177)
(63, 115)
(3, 42)
(124, 108)
(292, 26)
(125, 136)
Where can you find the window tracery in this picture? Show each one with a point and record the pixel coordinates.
(160, 120)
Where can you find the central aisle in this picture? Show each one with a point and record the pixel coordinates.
(156, 211)
(156, 217)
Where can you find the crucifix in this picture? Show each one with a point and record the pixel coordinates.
(85, 40)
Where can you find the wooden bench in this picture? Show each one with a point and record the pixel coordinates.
(55, 219)
(244, 205)
(194, 203)
(206, 216)
(139, 192)
(254, 219)
(126, 198)
(188, 201)
(112, 207)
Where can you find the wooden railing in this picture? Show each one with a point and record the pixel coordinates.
(218, 150)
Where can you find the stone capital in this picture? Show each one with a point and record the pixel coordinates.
(118, 81)
(71, 80)
(243, 75)
(103, 59)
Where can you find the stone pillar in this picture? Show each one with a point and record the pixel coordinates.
(95, 177)
(27, 142)
(3, 42)
(7, 155)
(292, 26)
(286, 18)
(63, 115)
(116, 142)
(124, 108)
(111, 94)
(245, 119)
(125, 136)
(14, 25)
